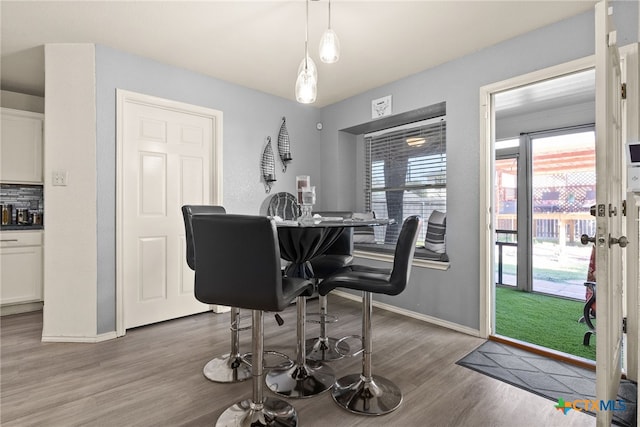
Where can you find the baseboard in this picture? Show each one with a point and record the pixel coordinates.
(413, 314)
(10, 309)
(220, 308)
(90, 340)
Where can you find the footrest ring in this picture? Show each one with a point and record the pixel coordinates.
(286, 362)
(238, 327)
(350, 337)
(328, 318)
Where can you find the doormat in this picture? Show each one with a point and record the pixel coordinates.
(557, 381)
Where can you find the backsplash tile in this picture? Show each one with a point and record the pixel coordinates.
(22, 196)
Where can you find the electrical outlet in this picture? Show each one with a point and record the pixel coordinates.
(60, 178)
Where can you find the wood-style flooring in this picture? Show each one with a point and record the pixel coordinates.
(153, 376)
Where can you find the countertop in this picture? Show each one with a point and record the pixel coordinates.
(18, 227)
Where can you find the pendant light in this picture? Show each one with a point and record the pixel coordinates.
(310, 65)
(307, 81)
(329, 44)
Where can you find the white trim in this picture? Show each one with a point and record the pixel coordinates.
(485, 218)
(417, 262)
(21, 113)
(487, 132)
(98, 338)
(124, 96)
(412, 314)
(631, 129)
(412, 125)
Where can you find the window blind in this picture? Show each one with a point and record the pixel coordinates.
(406, 174)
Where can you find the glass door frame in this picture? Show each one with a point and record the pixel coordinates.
(520, 153)
(523, 152)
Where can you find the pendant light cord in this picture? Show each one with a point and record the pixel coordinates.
(306, 39)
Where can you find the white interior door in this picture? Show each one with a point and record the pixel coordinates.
(166, 163)
(609, 218)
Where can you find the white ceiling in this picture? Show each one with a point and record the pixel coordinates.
(259, 44)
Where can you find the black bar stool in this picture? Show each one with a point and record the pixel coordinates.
(227, 273)
(365, 393)
(339, 255)
(231, 367)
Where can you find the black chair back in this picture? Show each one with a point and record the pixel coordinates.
(403, 257)
(188, 211)
(238, 262)
(380, 280)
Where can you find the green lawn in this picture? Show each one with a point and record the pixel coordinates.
(543, 320)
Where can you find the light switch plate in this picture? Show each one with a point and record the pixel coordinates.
(59, 178)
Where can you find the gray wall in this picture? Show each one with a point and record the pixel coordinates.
(249, 116)
(453, 295)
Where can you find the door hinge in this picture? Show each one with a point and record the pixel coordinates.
(624, 325)
(623, 91)
(624, 208)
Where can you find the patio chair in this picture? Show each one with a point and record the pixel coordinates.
(589, 310)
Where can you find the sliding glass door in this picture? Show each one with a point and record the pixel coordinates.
(562, 191)
(545, 187)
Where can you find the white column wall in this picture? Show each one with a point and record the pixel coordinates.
(70, 260)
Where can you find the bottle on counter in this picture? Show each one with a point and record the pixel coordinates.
(22, 216)
(7, 214)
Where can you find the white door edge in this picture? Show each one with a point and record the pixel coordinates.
(630, 70)
(123, 97)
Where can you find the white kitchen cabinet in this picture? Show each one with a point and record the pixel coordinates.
(21, 147)
(20, 267)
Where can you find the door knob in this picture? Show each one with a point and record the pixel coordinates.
(622, 241)
(584, 239)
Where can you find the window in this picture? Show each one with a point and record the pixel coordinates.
(406, 174)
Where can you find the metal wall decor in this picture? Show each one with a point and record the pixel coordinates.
(268, 166)
(284, 145)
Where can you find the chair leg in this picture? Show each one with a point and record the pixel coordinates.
(305, 378)
(259, 411)
(366, 393)
(587, 337)
(229, 368)
(324, 348)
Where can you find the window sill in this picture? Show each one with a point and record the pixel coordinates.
(386, 255)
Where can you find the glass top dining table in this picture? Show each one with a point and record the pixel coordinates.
(300, 241)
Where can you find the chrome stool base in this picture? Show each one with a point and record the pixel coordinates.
(326, 349)
(299, 381)
(272, 412)
(227, 369)
(305, 378)
(378, 396)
